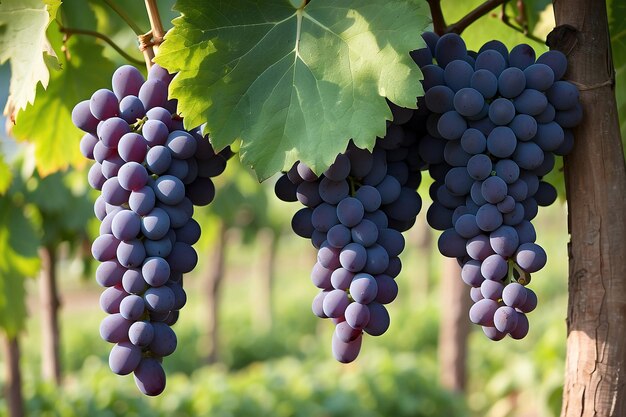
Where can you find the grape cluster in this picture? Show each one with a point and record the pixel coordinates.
(354, 214)
(151, 173)
(498, 119)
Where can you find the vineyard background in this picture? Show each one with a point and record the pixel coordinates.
(259, 350)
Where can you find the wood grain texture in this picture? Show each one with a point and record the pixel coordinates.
(595, 175)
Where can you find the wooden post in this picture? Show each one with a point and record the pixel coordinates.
(595, 176)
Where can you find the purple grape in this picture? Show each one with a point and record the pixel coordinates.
(530, 257)
(522, 56)
(556, 60)
(379, 319)
(156, 271)
(104, 247)
(126, 225)
(111, 298)
(501, 111)
(346, 352)
(132, 307)
(521, 329)
(511, 82)
(363, 288)
(365, 233)
(159, 299)
(301, 222)
(132, 147)
(492, 61)
(149, 376)
(103, 104)
(485, 82)
(83, 118)
(494, 267)
(328, 256)
(501, 142)
(470, 273)
(353, 257)
(164, 341)
(335, 303)
(357, 315)
(491, 289)
(109, 274)
(131, 253)
(132, 176)
(131, 109)
(127, 81)
(505, 319)
(114, 328)
(153, 93)
(482, 312)
(439, 99)
(539, 76)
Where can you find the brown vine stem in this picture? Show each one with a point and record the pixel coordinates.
(74, 31)
(474, 15)
(150, 41)
(439, 23)
(507, 21)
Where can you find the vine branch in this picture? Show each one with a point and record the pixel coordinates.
(474, 15)
(149, 42)
(522, 29)
(125, 17)
(440, 27)
(439, 23)
(75, 31)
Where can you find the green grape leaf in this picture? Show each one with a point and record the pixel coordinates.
(23, 42)
(5, 175)
(48, 124)
(617, 27)
(293, 83)
(18, 260)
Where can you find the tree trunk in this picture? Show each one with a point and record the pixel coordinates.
(13, 378)
(214, 279)
(454, 327)
(595, 175)
(49, 304)
(267, 243)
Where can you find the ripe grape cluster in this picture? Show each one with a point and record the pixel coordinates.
(354, 214)
(151, 173)
(498, 118)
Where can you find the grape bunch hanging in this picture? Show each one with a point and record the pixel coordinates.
(354, 214)
(151, 173)
(498, 119)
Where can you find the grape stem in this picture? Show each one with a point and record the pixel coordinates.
(125, 17)
(439, 24)
(522, 29)
(149, 42)
(75, 31)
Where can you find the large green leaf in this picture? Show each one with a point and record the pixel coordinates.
(48, 122)
(293, 83)
(617, 25)
(23, 42)
(18, 260)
